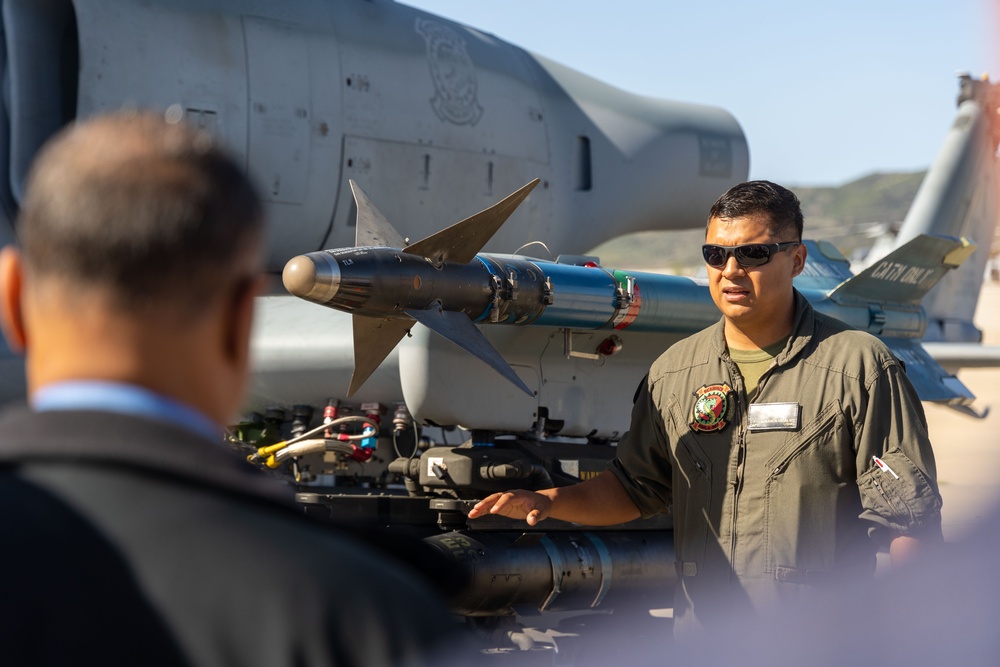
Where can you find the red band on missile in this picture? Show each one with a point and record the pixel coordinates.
(628, 316)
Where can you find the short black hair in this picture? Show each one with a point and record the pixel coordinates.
(143, 209)
(754, 197)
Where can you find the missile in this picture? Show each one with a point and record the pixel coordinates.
(446, 284)
(388, 285)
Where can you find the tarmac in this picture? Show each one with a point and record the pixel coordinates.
(967, 450)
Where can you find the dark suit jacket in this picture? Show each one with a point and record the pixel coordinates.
(129, 541)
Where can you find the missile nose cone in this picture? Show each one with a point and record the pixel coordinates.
(314, 277)
(299, 275)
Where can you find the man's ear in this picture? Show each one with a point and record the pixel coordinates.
(11, 284)
(799, 254)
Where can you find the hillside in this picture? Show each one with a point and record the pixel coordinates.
(839, 214)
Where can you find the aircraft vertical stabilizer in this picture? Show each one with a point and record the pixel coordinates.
(907, 274)
(900, 281)
(958, 197)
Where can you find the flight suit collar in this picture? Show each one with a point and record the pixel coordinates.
(802, 330)
(803, 327)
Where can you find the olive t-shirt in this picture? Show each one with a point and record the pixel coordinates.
(753, 363)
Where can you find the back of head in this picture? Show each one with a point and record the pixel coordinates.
(146, 212)
(762, 197)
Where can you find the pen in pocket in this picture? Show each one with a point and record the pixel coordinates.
(883, 466)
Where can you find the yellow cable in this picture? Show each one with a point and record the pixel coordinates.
(271, 449)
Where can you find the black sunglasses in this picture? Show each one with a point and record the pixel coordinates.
(748, 254)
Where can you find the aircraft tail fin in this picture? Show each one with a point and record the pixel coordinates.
(904, 277)
(460, 242)
(958, 197)
(907, 274)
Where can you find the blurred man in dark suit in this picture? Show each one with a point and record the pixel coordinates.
(130, 533)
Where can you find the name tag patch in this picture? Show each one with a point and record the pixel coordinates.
(774, 416)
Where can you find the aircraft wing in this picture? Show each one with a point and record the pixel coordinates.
(932, 382)
(955, 356)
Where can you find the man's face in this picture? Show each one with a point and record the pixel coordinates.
(754, 298)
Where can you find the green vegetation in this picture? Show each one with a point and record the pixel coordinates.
(842, 215)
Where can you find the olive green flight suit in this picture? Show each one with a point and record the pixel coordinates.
(776, 507)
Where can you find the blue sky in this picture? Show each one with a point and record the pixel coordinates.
(826, 92)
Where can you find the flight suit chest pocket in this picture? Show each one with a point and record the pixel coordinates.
(694, 465)
(805, 490)
(814, 444)
(692, 489)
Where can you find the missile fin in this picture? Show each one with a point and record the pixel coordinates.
(459, 329)
(373, 228)
(374, 339)
(460, 242)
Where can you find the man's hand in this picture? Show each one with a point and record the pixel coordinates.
(517, 504)
(598, 501)
(905, 551)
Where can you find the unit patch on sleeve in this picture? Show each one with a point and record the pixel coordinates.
(713, 408)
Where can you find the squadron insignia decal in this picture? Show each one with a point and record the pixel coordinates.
(453, 74)
(713, 407)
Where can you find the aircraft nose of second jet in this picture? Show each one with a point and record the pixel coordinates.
(314, 277)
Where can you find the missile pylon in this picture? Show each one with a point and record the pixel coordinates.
(388, 285)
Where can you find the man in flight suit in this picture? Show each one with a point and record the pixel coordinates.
(131, 533)
(787, 446)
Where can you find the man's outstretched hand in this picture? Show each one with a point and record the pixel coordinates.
(516, 504)
(598, 501)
